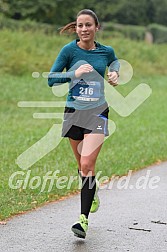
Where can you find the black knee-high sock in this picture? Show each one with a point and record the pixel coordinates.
(79, 173)
(87, 194)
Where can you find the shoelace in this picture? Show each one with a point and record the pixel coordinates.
(83, 220)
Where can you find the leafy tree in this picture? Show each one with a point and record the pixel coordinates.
(60, 12)
(160, 7)
(40, 10)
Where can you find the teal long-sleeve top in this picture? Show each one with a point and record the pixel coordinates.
(70, 58)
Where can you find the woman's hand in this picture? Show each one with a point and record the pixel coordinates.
(86, 68)
(113, 78)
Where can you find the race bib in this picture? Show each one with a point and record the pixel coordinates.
(86, 91)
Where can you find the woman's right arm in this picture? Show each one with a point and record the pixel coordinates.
(57, 76)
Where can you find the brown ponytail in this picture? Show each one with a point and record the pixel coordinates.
(69, 28)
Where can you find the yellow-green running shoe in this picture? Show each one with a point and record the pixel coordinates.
(80, 227)
(96, 201)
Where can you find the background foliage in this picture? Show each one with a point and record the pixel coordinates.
(59, 12)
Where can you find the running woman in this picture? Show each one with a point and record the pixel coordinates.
(86, 111)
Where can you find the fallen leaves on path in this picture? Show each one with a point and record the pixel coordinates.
(3, 222)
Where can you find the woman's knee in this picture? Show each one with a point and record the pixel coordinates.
(87, 166)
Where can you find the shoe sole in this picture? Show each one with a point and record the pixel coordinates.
(79, 236)
(78, 233)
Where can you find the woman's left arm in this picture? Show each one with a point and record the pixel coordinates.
(113, 69)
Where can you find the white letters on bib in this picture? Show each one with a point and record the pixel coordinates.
(86, 91)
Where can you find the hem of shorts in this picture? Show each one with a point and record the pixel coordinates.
(105, 135)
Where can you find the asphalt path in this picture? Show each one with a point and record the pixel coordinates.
(132, 217)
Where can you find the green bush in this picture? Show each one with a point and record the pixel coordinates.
(134, 32)
(26, 25)
(159, 33)
(130, 31)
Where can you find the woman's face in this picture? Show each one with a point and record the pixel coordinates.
(86, 28)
